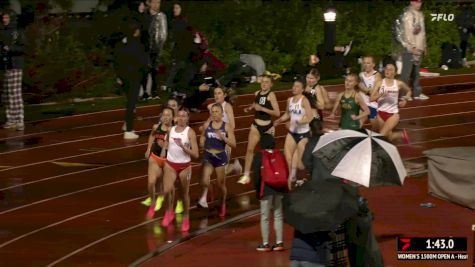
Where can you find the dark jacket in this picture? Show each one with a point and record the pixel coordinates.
(130, 59)
(12, 37)
(311, 247)
(182, 39)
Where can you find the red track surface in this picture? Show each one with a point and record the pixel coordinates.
(51, 214)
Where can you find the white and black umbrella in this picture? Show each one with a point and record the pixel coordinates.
(363, 156)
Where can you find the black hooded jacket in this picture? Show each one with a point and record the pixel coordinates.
(12, 37)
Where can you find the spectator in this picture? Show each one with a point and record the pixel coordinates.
(12, 42)
(247, 68)
(200, 90)
(466, 26)
(182, 46)
(131, 63)
(140, 15)
(157, 35)
(412, 38)
(271, 199)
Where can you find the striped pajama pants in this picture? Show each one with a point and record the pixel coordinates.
(11, 95)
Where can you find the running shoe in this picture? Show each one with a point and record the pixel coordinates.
(421, 97)
(202, 204)
(147, 202)
(185, 226)
(264, 248)
(20, 126)
(278, 247)
(405, 137)
(151, 212)
(168, 218)
(237, 167)
(245, 179)
(179, 207)
(158, 203)
(130, 135)
(222, 210)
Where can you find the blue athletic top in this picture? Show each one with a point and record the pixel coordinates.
(212, 141)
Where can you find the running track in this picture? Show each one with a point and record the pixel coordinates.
(70, 188)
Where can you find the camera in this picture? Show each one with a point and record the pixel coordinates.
(210, 81)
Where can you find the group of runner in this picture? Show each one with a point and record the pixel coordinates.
(172, 143)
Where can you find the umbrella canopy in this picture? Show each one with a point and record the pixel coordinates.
(320, 205)
(363, 156)
(255, 61)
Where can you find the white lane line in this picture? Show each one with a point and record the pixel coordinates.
(149, 117)
(71, 173)
(194, 164)
(74, 217)
(408, 119)
(194, 123)
(437, 140)
(436, 127)
(241, 157)
(67, 220)
(118, 233)
(438, 105)
(70, 193)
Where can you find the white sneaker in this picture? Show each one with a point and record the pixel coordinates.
(237, 167)
(9, 125)
(20, 126)
(421, 97)
(202, 203)
(130, 135)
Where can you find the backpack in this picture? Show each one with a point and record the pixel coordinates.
(274, 170)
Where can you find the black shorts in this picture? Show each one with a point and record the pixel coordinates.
(262, 128)
(299, 136)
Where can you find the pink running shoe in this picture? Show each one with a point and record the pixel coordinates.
(222, 211)
(405, 137)
(151, 211)
(185, 226)
(168, 218)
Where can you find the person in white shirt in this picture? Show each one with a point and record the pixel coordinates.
(413, 41)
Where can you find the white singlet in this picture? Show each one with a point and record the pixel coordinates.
(369, 83)
(175, 153)
(390, 102)
(296, 112)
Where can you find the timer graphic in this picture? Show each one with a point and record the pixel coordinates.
(433, 248)
(432, 243)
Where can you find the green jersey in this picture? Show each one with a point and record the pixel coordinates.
(349, 107)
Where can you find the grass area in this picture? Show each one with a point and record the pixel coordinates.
(66, 107)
